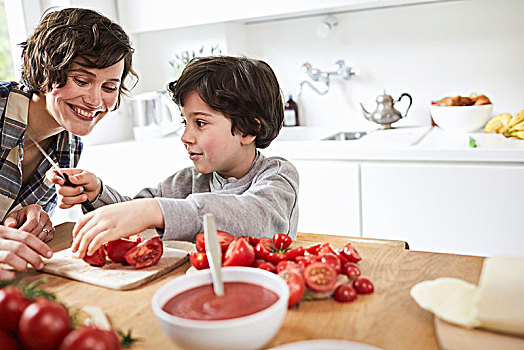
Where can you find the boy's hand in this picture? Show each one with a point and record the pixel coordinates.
(114, 221)
(89, 186)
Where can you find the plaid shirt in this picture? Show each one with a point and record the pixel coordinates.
(64, 149)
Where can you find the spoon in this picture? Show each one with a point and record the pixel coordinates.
(213, 252)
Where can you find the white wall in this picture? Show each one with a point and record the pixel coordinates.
(429, 51)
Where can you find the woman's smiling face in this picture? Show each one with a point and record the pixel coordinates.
(88, 95)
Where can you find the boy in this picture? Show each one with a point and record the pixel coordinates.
(230, 107)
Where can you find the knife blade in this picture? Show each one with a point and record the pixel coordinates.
(86, 204)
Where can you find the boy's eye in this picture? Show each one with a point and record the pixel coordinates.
(183, 122)
(79, 81)
(200, 123)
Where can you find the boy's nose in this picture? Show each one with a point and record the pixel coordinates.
(186, 137)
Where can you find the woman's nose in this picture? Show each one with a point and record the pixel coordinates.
(93, 98)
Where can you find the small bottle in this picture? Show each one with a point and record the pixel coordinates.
(291, 112)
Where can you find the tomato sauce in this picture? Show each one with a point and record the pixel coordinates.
(239, 299)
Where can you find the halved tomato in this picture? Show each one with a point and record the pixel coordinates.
(117, 249)
(98, 258)
(239, 253)
(295, 283)
(224, 238)
(320, 276)
(199, 260)
(146, 253)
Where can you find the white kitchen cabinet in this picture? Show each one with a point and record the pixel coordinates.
(329, 197)
(143, 16)
(449, 208)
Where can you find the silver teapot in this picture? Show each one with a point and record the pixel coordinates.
(385, 114)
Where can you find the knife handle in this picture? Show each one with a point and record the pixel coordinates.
(86, 204)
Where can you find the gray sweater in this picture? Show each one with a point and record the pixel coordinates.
(260, 204)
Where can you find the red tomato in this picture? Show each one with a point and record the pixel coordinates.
(7, 341)
(341, 257)
(239, 253)
(281, 241)
(325, 248)
(314, 249)
(266, 265)
(43, 325)
(117, 249)
(363, 285)
(307, 259)
(350, 253)
(351, 269)
(296, 285)
(265, 250)
(289, 265)
(320, 276)
(224, 238)
(98, 258)
(345, 293)
(331, 259)
(88, 338)
(12, 304)
(199, 261)
(253, 241)
(146, 253)
(293, 253)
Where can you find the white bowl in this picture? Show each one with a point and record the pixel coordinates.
(461, 119)
(248, 332)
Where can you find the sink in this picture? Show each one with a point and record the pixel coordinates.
(346, 136)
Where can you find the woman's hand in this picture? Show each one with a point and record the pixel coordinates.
(88, 186)
(18, 248)
(32, 219)
(114, 221)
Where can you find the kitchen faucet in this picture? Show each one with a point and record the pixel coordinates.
(317, 75)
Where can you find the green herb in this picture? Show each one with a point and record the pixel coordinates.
(472, 142)
(126, 339)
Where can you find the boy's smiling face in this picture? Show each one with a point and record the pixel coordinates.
(209, 141)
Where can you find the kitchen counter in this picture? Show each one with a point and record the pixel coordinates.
(388, 318)
(401, 144)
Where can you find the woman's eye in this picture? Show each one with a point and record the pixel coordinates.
(110, 88)
(79, 81)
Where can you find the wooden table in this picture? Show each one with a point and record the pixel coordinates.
(388, 318)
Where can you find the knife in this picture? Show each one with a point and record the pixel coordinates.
(213, 253)
(86, 204)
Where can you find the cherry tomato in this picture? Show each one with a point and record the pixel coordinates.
(307, 259)
(350, 253)
(7, 341)
(265, 250)
(239, 253)
(293, 253)
(351, 269)
(266, 265)
(117, 249)
(296, 285)
(199, 260)
(146, 253)
(363, 285)
(345, 293)
(289, 265)
(88, 338)
(12, 304)
(43, 325)
(281, 241)
(325, 248)
(98, 258)
(253, 241)
(331, 259)
(224, 239)
(320, 276)
(314, 249)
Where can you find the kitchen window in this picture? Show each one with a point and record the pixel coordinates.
(7, 71)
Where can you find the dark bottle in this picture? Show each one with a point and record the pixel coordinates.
(291, 112)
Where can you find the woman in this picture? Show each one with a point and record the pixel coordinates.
(73, 73)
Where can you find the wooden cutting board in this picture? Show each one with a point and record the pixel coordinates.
(113, 275)
(453, 337)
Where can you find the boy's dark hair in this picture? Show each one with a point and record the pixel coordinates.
(74, 34)
(245, 90)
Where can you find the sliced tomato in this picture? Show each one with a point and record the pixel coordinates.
(307, 259)
(117, 249)
(224, 238)
(331, 259)
(293, 253)
(296, 285)
(325, 248)
(314, 249)
(239, 253)
(350, 253)
(146, 253)
(98, 258)
(199, 260)
(320, 276)
(281, 241)
(289, 265)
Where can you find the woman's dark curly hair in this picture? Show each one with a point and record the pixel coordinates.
(74, 34)
(244, 90)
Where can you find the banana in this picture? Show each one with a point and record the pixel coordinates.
(518, 134)
(498, 123)
(517, 119)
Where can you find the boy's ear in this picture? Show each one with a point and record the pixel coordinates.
(247, 139)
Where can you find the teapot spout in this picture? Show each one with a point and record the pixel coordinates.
(366, 113)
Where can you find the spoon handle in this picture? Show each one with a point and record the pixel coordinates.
(213, 253)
